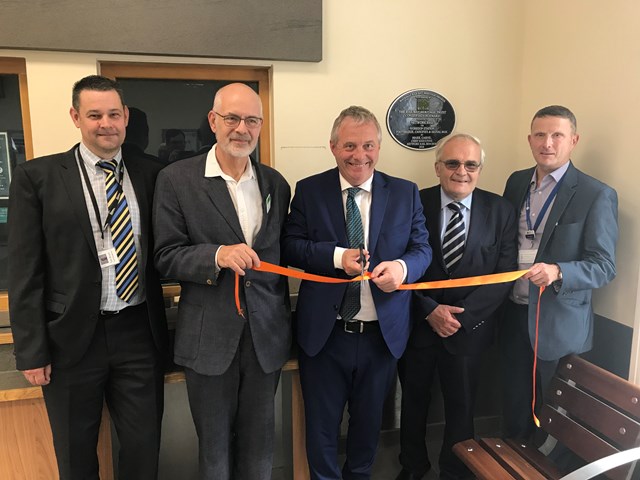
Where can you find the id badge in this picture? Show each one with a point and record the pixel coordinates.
(527, 256)
(108, 257)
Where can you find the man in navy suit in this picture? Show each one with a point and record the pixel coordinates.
(348, 355)
(567, 238)
(453, 326)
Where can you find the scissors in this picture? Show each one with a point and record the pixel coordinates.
(362, 261)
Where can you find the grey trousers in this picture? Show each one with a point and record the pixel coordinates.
(234, 417)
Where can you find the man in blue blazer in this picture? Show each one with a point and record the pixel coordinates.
(452, 327)
(567, 237)
(348, 354)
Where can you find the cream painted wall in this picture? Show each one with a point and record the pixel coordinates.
(586, 55)
(497, 61)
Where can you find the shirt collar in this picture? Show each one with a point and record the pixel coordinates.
(366, 185)
(212, 168)
(91, 159)
(446, 200)
(556, 174)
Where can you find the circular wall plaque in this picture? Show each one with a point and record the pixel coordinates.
(417, 119)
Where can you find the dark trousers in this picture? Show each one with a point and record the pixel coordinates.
(459, 383)
(121, 367)
(354, 369)
(517, 373)
(234, 417)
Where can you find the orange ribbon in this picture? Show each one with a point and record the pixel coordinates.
(535, 359)
(453, 283)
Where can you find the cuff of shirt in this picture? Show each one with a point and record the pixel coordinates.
(217, 270)
(337, 257)
(404, 268)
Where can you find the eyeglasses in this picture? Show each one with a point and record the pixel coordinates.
(234, 120)
(469, 165)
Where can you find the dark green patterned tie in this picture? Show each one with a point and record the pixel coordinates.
(355, 233)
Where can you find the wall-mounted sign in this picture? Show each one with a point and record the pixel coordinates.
(417, 119)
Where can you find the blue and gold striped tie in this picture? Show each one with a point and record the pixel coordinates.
(121, 233)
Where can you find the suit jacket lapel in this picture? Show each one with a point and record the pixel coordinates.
(434, 218)
(477, 222)
(565, 193)
(136, 175)
(216, 188)
(73, 180)
(266, 191)
(379, 198)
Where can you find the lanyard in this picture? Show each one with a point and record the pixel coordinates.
(92, 195)
(531, 230)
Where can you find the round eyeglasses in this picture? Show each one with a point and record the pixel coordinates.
(234, 120)
(469, 165)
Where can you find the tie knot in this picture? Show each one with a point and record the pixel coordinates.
(455, 207)
(353, 191)
(108, 166)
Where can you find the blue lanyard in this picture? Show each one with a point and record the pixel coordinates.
(531, 231)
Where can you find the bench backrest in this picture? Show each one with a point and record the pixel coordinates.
(593, 412)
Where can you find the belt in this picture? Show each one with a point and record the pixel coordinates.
(111, 313)
(357, 326)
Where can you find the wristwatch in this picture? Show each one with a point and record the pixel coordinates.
(558, 283)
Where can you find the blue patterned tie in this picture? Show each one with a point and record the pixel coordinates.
(355, 233)
(121, 233)
(453, 241)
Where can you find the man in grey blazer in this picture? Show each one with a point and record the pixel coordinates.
(567, 238)
(217, 216)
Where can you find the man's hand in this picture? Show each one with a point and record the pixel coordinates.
(351, 261)
(443, 320)
(388, 276)
(543, 274)
(237, 257)
(38, 376)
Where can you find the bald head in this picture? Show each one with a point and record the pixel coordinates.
(235, 91)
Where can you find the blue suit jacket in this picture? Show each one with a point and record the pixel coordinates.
(316, 225)
(580, 236)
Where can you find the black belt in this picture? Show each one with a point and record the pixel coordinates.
(111, 313)
(357, 326)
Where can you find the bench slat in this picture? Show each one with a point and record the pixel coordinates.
(511, 460)
(600, 417)
(480, 462)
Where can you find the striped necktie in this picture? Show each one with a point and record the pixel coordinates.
(355, 234)
(453, 241)
(119, 219)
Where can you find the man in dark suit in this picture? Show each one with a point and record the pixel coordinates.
(217, 216)
(567, 238)
(87, 313)
(472, 232)
(350, 337)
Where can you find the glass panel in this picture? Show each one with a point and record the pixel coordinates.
(168, 118)
(12, 152)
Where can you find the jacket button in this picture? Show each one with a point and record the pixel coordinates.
(247, 283)
(209, 282)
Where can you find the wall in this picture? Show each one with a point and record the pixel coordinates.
(586, 55)
(497, 61)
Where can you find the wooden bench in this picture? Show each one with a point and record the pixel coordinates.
(593, 412)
